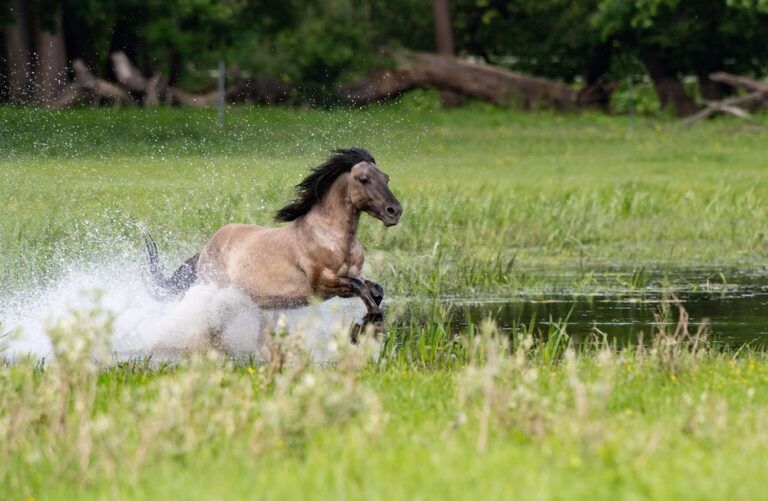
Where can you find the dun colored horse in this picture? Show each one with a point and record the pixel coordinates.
(315, 255)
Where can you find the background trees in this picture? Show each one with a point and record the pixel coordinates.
(314, 45)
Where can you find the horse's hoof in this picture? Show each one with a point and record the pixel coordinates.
(375, 319)
(354, 333)
(377, 293)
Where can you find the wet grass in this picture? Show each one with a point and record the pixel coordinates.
(497, 203)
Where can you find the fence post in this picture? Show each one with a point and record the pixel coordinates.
(222, 91)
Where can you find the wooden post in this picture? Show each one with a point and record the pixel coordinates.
(222, 94)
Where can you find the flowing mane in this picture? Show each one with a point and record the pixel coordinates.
(314, 187)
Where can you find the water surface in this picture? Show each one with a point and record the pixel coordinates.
(734, 305)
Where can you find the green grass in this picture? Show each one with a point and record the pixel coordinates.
(674, 419)
(497, 203)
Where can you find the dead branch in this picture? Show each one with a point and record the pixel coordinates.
(731, 106)
(101, 89)
(739, 81)
(88, 87)
(737, 106)
(155, 88)
(126, 73)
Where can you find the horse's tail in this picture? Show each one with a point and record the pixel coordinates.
(166, 287)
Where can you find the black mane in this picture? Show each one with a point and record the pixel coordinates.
(314, 187)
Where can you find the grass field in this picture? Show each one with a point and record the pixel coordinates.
(496, 204)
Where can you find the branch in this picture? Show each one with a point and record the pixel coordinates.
(126, 73)
(732, 106)
(100, 88)
(739, 81)
(86, 85)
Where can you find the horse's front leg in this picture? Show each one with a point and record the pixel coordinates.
(377, 293)
(352, 286)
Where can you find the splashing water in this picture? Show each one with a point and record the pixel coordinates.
(144, 327)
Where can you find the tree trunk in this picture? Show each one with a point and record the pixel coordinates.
(174, 68)
(668, 87)
(444, 44)
(3, 68)
(709, 89)
(79, 39)
(17, 45)
(600, 63)
(51, 70)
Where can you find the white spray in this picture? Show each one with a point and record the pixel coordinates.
(144, 327)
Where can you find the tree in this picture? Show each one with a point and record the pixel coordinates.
(444, 44)
(17, 45)
(50, 56)
(675, 38)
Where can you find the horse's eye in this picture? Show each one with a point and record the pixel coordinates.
(364, 180)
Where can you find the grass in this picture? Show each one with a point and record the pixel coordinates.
(679, 418)
(497, 203)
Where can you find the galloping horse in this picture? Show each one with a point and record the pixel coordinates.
(316, 255)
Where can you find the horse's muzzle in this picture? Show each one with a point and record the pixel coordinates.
(390, 216)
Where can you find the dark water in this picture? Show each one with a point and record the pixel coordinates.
(735, 307)
(732, 319)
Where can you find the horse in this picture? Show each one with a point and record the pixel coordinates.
(316, 255)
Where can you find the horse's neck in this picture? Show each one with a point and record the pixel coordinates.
(334, 216)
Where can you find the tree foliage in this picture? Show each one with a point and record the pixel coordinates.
(314, 44)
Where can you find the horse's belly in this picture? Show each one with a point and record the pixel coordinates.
(272, 282)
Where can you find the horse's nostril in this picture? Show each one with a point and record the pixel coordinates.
(391, 211)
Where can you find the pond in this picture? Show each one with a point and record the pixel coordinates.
(735, 309)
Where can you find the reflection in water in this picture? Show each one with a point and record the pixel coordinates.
(734, 318)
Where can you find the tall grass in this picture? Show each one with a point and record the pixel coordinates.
(494, 202)
(74, 425)
(497, 203)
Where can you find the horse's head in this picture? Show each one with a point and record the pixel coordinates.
(369, 192)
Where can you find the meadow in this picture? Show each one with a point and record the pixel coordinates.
(498, 204)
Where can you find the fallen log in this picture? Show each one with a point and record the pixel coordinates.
(155, 89)
(379, 86)
(179, 96)
(737, 106)
(87, 87)
(101, 89)
(470, 78)
(731, 106)
(126, 73)
(151, 90)
(739, 81)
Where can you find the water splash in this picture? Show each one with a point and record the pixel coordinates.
(144, 327)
